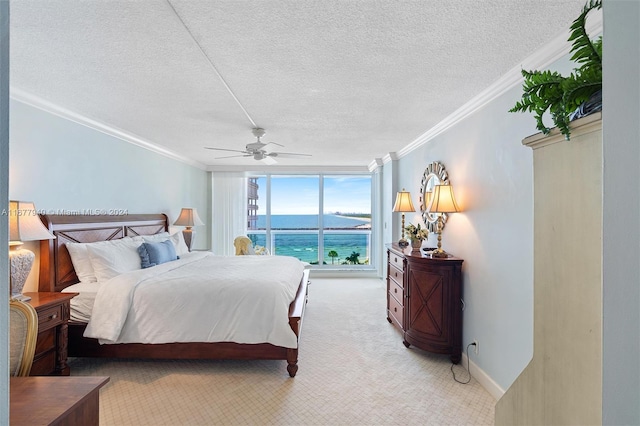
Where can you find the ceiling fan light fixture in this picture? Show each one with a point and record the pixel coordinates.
(268, 160)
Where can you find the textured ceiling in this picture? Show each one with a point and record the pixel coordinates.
(346, 81)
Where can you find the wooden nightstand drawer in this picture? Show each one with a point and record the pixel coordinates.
(44, 365)
(46, 341)
(50, 317)
(396, 275)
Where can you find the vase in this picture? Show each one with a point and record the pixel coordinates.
(416, 244)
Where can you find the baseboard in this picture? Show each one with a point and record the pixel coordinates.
(483, 378)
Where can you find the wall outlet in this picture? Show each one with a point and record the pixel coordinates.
(476, 347)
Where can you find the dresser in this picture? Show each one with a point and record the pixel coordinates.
(424, 300)
(51, 347)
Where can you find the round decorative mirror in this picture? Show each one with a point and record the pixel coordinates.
(434, 174)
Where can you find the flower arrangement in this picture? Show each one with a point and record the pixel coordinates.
(415, 232)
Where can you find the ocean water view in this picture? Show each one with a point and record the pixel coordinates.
(304, 245)
(310, 221)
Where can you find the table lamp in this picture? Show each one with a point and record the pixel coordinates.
(24, 225)
(188, 218)
(403, 204)
(442, 201)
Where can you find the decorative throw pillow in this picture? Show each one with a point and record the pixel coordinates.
(152, 254)
(177, 239)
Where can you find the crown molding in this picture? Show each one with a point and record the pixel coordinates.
(261, 168)
(375, 164)
(541, 59)
(44, 105)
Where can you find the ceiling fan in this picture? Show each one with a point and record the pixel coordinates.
(260, 150)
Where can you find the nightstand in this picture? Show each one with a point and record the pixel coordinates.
(53, 311)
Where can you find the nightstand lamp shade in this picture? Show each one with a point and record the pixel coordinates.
(403, 204)
(24, 225)
(188, 218)
(442, 201)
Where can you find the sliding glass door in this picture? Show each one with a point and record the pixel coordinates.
(321, 219)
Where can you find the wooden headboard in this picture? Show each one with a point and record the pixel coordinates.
(56, 269)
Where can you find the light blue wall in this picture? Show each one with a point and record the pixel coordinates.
(4, 205)
(61, 165)
(492, 177)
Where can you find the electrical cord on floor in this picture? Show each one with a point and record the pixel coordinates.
(468, 371)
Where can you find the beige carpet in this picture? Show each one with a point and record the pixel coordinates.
(354, 370)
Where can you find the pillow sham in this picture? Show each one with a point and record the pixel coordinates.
(156, 238)
(115, 257)
(81, 262)
(152, 254)
(179, 243)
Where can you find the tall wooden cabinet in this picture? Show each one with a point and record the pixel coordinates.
(563, 382)
(424, 300)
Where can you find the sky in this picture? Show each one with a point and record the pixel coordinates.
(300, 194)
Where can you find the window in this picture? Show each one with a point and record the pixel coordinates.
(284, 215)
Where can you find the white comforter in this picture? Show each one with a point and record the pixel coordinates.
(200, 298)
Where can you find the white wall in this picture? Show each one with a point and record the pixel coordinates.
(621, 263)
(61, 165)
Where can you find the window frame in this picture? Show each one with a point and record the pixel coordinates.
(269, 233)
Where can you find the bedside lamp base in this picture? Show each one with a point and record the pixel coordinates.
(20, 261)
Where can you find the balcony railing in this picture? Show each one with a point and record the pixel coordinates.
(349, 249)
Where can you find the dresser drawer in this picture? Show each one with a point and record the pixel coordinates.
(397, 292)
(396, 275)
(49, 317)
(397, 261)
(396, 312)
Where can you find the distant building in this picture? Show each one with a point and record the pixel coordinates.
(252, 203)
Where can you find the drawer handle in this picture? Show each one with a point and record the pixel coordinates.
(395, 290)
(54, 316)
(395, 309)
(395, 259)
(396, 274)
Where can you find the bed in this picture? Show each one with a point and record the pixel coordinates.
(57, 273)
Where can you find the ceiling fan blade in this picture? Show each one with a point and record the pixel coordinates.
(268, 146)
(289, 154)
(223, 149)
(234, 156)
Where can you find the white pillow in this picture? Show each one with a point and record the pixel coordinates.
(81, 262)
(115, 257)
(156, 238)
(177, 239)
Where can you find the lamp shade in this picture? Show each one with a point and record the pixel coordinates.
(403, 202)
(188, 217)
(25, 224)
(442, 200)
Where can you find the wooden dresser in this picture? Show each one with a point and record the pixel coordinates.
(51, 347)
(424, 300)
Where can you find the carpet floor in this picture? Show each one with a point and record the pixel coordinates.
(354, 370)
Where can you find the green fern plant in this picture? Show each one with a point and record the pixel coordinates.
(550, 91)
